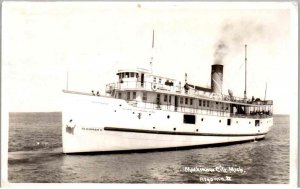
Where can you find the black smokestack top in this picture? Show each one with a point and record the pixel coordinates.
(234, 34)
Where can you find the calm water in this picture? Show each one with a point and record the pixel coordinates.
(35, 156)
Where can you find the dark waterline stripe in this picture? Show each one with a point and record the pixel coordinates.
(178, 133)
(161, 149)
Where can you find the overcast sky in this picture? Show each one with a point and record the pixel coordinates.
(42, 41)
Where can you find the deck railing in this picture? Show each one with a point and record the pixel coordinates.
(195, 110)
(178, 89)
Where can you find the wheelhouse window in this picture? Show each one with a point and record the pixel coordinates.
(170, 98)
(186, 100)
(144, 96)
(158, 98)
(200, 102)
(133, 95)
(191, 101)
(165, 98)
(207, 103)
(204, 103)
(119, 95)
(189, 119)
(131, 74)
(181, 100)
(128, 95)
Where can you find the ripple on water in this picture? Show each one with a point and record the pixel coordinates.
(35, 155)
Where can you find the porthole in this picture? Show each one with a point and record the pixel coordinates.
(153, 127)
(120, 105)
(149, 114)
(197, 130)
(237, 122)
(219, 121)
(115, 110)
(174, 129)
(132, 112)
(249, 122)
(201, 119)
(168, 116)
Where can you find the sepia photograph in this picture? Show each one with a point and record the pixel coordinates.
(149, 92)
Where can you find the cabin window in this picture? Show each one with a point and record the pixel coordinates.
(186, 100)
(170, 98)
(181, 100)
(154, 79)
(204, 103)
(144, 96)
(228, 122)
(134, 95)
(189, 119)
(200, 102)
(207, 103)
(122, 75)
(191, 101)
(128, 95)
(165, 98)
(159, 80)
(119, 95)
(137, 75)
(158, 98)
(131, 74)
(127, 74)
(256, 123)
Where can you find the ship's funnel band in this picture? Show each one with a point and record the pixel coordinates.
(216, 78)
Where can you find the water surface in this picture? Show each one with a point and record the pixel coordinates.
(35, 156)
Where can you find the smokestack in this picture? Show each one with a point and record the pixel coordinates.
(216, 78)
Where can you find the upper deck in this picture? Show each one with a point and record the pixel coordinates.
(178, 89)
(143, 89)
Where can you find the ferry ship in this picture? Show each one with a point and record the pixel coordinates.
(144, 111)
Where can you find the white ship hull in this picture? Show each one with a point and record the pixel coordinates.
(104, 124)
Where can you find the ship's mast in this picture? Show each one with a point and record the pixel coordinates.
(151, 61)
(266, 91)
(245, 92)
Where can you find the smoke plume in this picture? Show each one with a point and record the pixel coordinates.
(234, 35)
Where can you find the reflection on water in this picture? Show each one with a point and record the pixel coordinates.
(266, 161)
